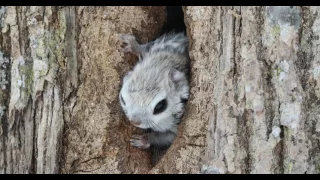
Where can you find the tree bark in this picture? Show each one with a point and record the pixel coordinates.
(254, 104)
(60, 78)
(254, 98)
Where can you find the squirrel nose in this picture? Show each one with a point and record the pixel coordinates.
(136, 123)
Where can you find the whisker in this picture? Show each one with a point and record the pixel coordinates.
(150, 124)
(157, 127)
(148, 133)
(153, 125)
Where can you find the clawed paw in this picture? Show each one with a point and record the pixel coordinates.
(140, 141)
(126, 42)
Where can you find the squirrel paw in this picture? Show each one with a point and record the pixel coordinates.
(140, 141)
(126, 42)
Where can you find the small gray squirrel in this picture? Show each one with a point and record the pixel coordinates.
(154, 93)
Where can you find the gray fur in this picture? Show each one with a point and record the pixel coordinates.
(162, 72)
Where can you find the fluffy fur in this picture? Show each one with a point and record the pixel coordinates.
(161, 73)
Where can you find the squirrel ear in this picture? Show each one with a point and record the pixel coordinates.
(126, 77)
(176, 76)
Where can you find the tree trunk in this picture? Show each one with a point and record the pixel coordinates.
(60, 78)
(254, 104)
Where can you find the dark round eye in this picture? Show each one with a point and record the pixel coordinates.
(122, 100)
(183, 100)
(160, 107)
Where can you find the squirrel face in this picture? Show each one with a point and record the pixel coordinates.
(155, 98)
(154, 93)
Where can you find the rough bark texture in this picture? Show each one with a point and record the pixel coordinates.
(60, 76)
(255, 90)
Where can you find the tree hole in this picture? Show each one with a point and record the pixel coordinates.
(175, 20)
(175, 23)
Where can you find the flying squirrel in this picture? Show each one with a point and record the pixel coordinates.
(154, 93)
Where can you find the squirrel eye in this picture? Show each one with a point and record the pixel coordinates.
(160, 107)
(122, 100)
